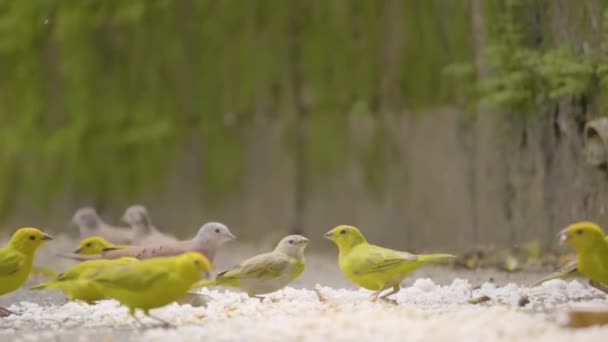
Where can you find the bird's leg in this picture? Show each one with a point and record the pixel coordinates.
(252, 295)
(598, 286)
(5, 312)
(163, 323)
(141, 324)
(375, 295)
(396, 289)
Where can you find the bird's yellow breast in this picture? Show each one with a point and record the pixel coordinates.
(12, 281)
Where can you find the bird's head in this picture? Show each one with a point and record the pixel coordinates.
(92, 245)
(214, 232)
(86, 219)
(137, 216)
(196, 264)
(582, 235)
(27, 240)
(292, 245)
(345, 236)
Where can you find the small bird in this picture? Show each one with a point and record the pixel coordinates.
(144, 232)
(373, 267)
(152, 283)
(90, 224)
(208, 239)
(96, 245)
(17, 258)
(76, 281)
(591, 246)
(570, 269)
(268, 272)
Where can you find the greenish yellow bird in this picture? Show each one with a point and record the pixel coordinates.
(17, 258)
(268, 272)
(96, 245)
(373, 267)
(570, 269)
(589, 242)
(152, 283)
(76, 282)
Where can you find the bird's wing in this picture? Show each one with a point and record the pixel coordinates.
(132, 277)
(10, 261)
(376, 259)
(132, 251)
(166, 249)
(263, 266)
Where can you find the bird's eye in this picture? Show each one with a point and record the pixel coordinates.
(291, 242)
(196, 262)
(217, 230)
(32, 237)
(579, 231)
(88, 244)
(343, 231)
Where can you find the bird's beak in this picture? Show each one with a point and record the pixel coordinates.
(78, 251)
(207, 274)
(328, 235)
(232, 236)
(304, 241)
(563, 236)
(46, 237)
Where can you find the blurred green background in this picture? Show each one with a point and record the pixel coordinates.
(427, 123)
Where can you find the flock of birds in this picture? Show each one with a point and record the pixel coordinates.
(143, 268)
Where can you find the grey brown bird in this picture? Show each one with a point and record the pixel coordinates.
(144, 232)
(209, 238)
(90, 224)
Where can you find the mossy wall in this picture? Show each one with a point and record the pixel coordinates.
(420, 119)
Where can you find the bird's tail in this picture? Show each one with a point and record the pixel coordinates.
(435, 258)
(565, 271)
(43, 286)
(203, 283)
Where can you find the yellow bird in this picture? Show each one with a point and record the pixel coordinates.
(152, 283)
(589, 242)
(16, 259)
(373, 267)
(95, 245)
(76, 281)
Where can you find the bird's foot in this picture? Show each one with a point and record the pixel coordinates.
(162, 323)
(390, 301)
(252, 295)
(5, 312)
(598, 286)
(374, 297)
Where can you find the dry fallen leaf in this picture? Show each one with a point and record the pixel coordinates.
(479, 300)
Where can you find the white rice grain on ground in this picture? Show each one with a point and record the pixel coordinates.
(432, 306)
(425, 312)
